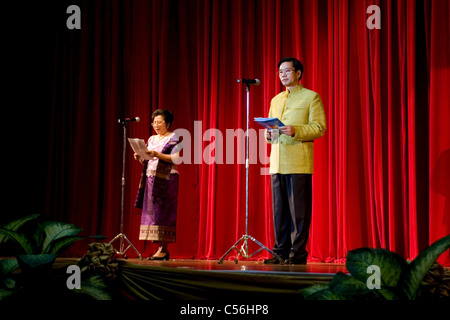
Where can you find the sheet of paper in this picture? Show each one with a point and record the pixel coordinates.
(139, 147)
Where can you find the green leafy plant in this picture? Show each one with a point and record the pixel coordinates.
(398, 278)
(7, 284)
(48, 237)
(36, 244)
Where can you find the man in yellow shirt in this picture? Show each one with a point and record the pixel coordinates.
(291, 161)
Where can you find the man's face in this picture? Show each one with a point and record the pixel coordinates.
(288, 76)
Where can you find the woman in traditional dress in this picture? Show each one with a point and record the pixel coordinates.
(158, 190)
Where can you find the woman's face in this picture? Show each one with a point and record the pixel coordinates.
(159, 125)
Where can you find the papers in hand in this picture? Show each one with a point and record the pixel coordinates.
(139, 147)
(269, 123)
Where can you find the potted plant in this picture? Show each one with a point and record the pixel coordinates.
(398, 279)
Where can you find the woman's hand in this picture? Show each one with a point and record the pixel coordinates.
(152, 153)
(137, 157)
(159, 155)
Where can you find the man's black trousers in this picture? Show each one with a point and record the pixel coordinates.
(292, 208)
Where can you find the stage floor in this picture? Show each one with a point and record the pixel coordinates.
(313, 268)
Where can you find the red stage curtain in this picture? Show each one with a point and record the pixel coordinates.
(381, 170)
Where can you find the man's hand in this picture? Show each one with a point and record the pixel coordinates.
(268, 134)
(288, 130)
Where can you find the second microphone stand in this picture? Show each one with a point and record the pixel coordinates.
(243, 251)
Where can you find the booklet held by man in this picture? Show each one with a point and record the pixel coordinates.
(269, 123)
(139, 147)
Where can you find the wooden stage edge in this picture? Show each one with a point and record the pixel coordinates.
(323, 270)
(312, 268)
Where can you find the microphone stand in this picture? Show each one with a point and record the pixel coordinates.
(243, 251)
(121, 236)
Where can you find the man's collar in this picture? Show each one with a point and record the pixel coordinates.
(294, 89)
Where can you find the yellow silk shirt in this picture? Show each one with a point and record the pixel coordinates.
(303, 109)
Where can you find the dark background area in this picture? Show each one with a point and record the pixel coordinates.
(27, 33)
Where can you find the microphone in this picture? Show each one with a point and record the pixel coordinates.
(248, 82)
(123, 120)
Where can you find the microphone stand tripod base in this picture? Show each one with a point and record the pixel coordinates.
(121, 250)
(243, 251)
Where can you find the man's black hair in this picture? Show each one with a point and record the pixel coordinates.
(296, 63)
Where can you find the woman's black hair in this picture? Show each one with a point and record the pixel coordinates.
(167, 115)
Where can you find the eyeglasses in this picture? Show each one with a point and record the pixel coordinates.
(287, 71)
(157, 123)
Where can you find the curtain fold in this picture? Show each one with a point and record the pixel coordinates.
(381, 170)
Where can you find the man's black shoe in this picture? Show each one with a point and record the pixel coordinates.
(295, 260)
(271, 261)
